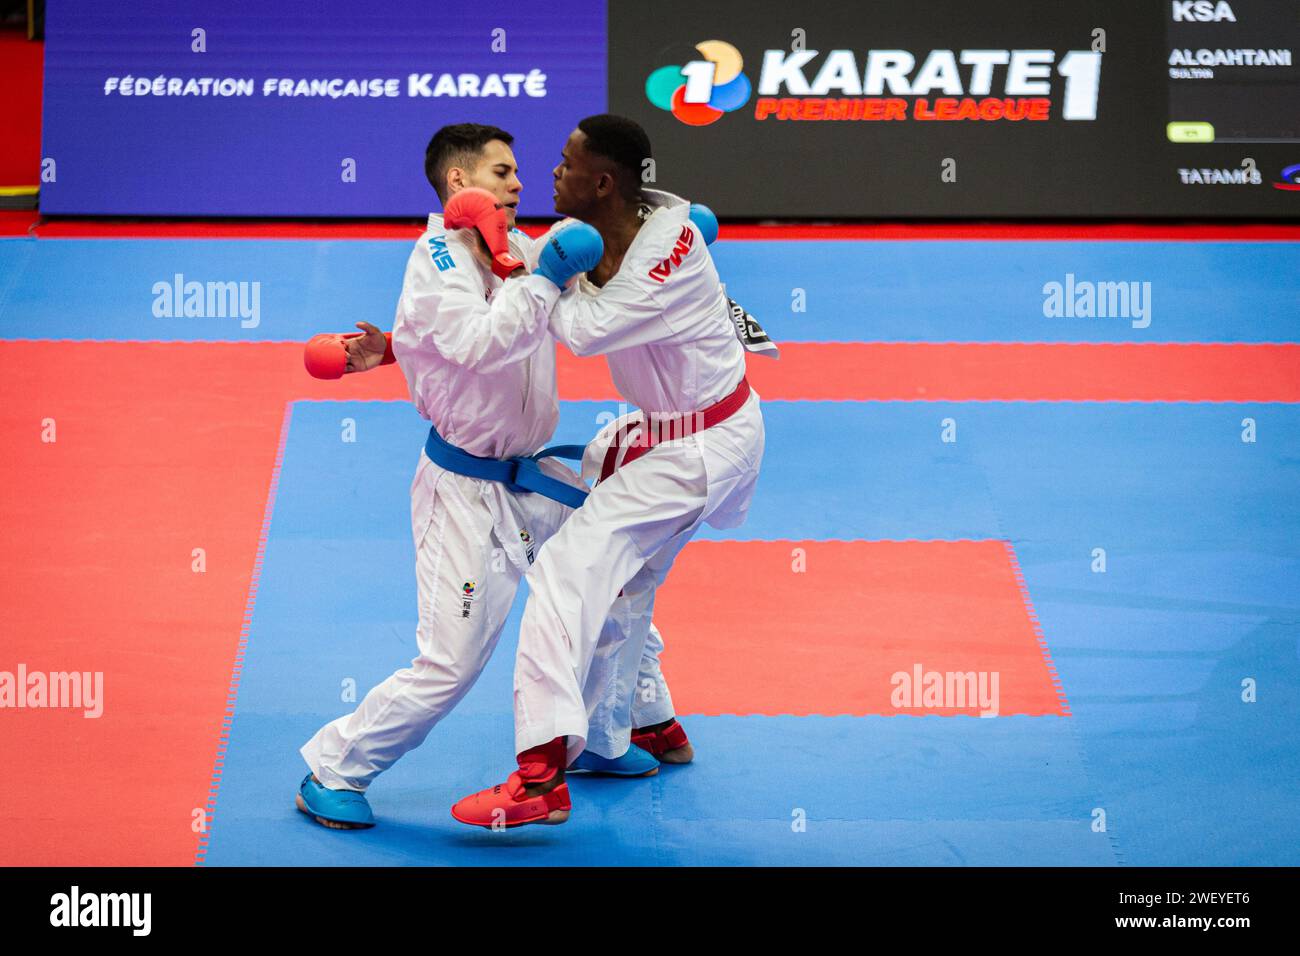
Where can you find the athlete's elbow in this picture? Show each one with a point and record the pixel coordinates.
(581, 345)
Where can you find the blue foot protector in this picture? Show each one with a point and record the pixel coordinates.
(346, 807)
(635, 763)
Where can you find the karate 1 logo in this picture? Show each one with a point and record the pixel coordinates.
(699, 92)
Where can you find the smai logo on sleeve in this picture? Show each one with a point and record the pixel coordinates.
(681, 248)
(438, 251)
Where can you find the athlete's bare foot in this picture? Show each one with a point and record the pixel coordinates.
(678, 755)
(557, 816)
(537, 789)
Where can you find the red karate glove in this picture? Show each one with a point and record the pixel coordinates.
(478, 209)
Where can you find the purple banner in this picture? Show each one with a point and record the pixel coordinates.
(301, 107)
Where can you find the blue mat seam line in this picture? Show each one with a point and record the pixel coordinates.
(223, 740)
(1072, 725)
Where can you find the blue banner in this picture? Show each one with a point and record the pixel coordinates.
(301, 107)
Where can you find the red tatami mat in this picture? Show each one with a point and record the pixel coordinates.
(159, 450)
(829, 639)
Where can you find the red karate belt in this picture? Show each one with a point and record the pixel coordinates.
(639, 439)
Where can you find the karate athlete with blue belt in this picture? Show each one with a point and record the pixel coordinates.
(472, 339)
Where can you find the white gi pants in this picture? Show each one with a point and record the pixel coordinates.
(470, 551)
(573, 638)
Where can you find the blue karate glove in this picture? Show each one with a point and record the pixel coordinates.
(705, 221)
(576, 248)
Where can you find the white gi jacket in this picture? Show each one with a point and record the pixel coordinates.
(478, 359)
(666, 353)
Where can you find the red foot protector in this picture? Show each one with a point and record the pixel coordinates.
(508, 804)
(659, 742)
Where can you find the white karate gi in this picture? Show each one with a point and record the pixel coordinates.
(664, 325)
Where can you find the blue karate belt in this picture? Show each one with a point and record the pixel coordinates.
(519, 474)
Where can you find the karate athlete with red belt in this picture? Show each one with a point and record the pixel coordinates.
(654, 306)
(472, 340)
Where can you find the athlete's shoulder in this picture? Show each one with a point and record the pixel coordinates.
(441, 248)
(662, 199)
(668, 247)
(434, 257)
(437, 257)
(666, 216)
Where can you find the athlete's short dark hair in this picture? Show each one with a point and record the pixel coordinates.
(460, 144)
(624, 143)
